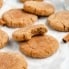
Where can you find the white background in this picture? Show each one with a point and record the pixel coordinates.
(60, 60)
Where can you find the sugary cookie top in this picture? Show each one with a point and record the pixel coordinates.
(12, 61)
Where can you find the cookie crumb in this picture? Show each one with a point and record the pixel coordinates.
(66, 38)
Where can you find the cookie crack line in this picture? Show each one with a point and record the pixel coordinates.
(63, 25)
(60, 22)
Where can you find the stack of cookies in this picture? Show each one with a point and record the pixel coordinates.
(34, 43)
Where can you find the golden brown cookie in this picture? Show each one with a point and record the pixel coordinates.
(18, 18)
(2, 22)
(29, 0)
(39, 46)
(38, 8)
(66, 38)
(27, 33)
(12, 61)
(1, 3)
(3, 38)
(59, 21)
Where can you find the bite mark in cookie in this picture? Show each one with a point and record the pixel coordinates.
(28, 32)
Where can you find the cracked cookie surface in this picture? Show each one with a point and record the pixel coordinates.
(59, 21)
(39, 46)
(3, 38)
(38, 8)
(12, 61)
(18, 18)
(27, 33)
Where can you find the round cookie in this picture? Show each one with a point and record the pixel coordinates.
(3, 39)
(1, 3)
(59, 21)
(29, 0)
(38, 8)
(18, 18)
(40, 46)
(12, 61)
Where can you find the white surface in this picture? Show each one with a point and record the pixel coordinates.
(66, 4)
(59, 60)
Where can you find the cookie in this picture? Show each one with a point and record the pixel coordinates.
(39, 46)
(29, 0)
(18, 18)
(3, 38)
(27, 33)
(66, 38)
(2, 22)
(38, 8)
(12, 61)
(1, 3)
(59, 21)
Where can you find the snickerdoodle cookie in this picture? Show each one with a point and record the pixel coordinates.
(27, 33)
(29, 0)
(12, 61)
(3, 38)
(38, 8)
(1, 3)
(18, 18)
(39, 46)
(59, 21)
